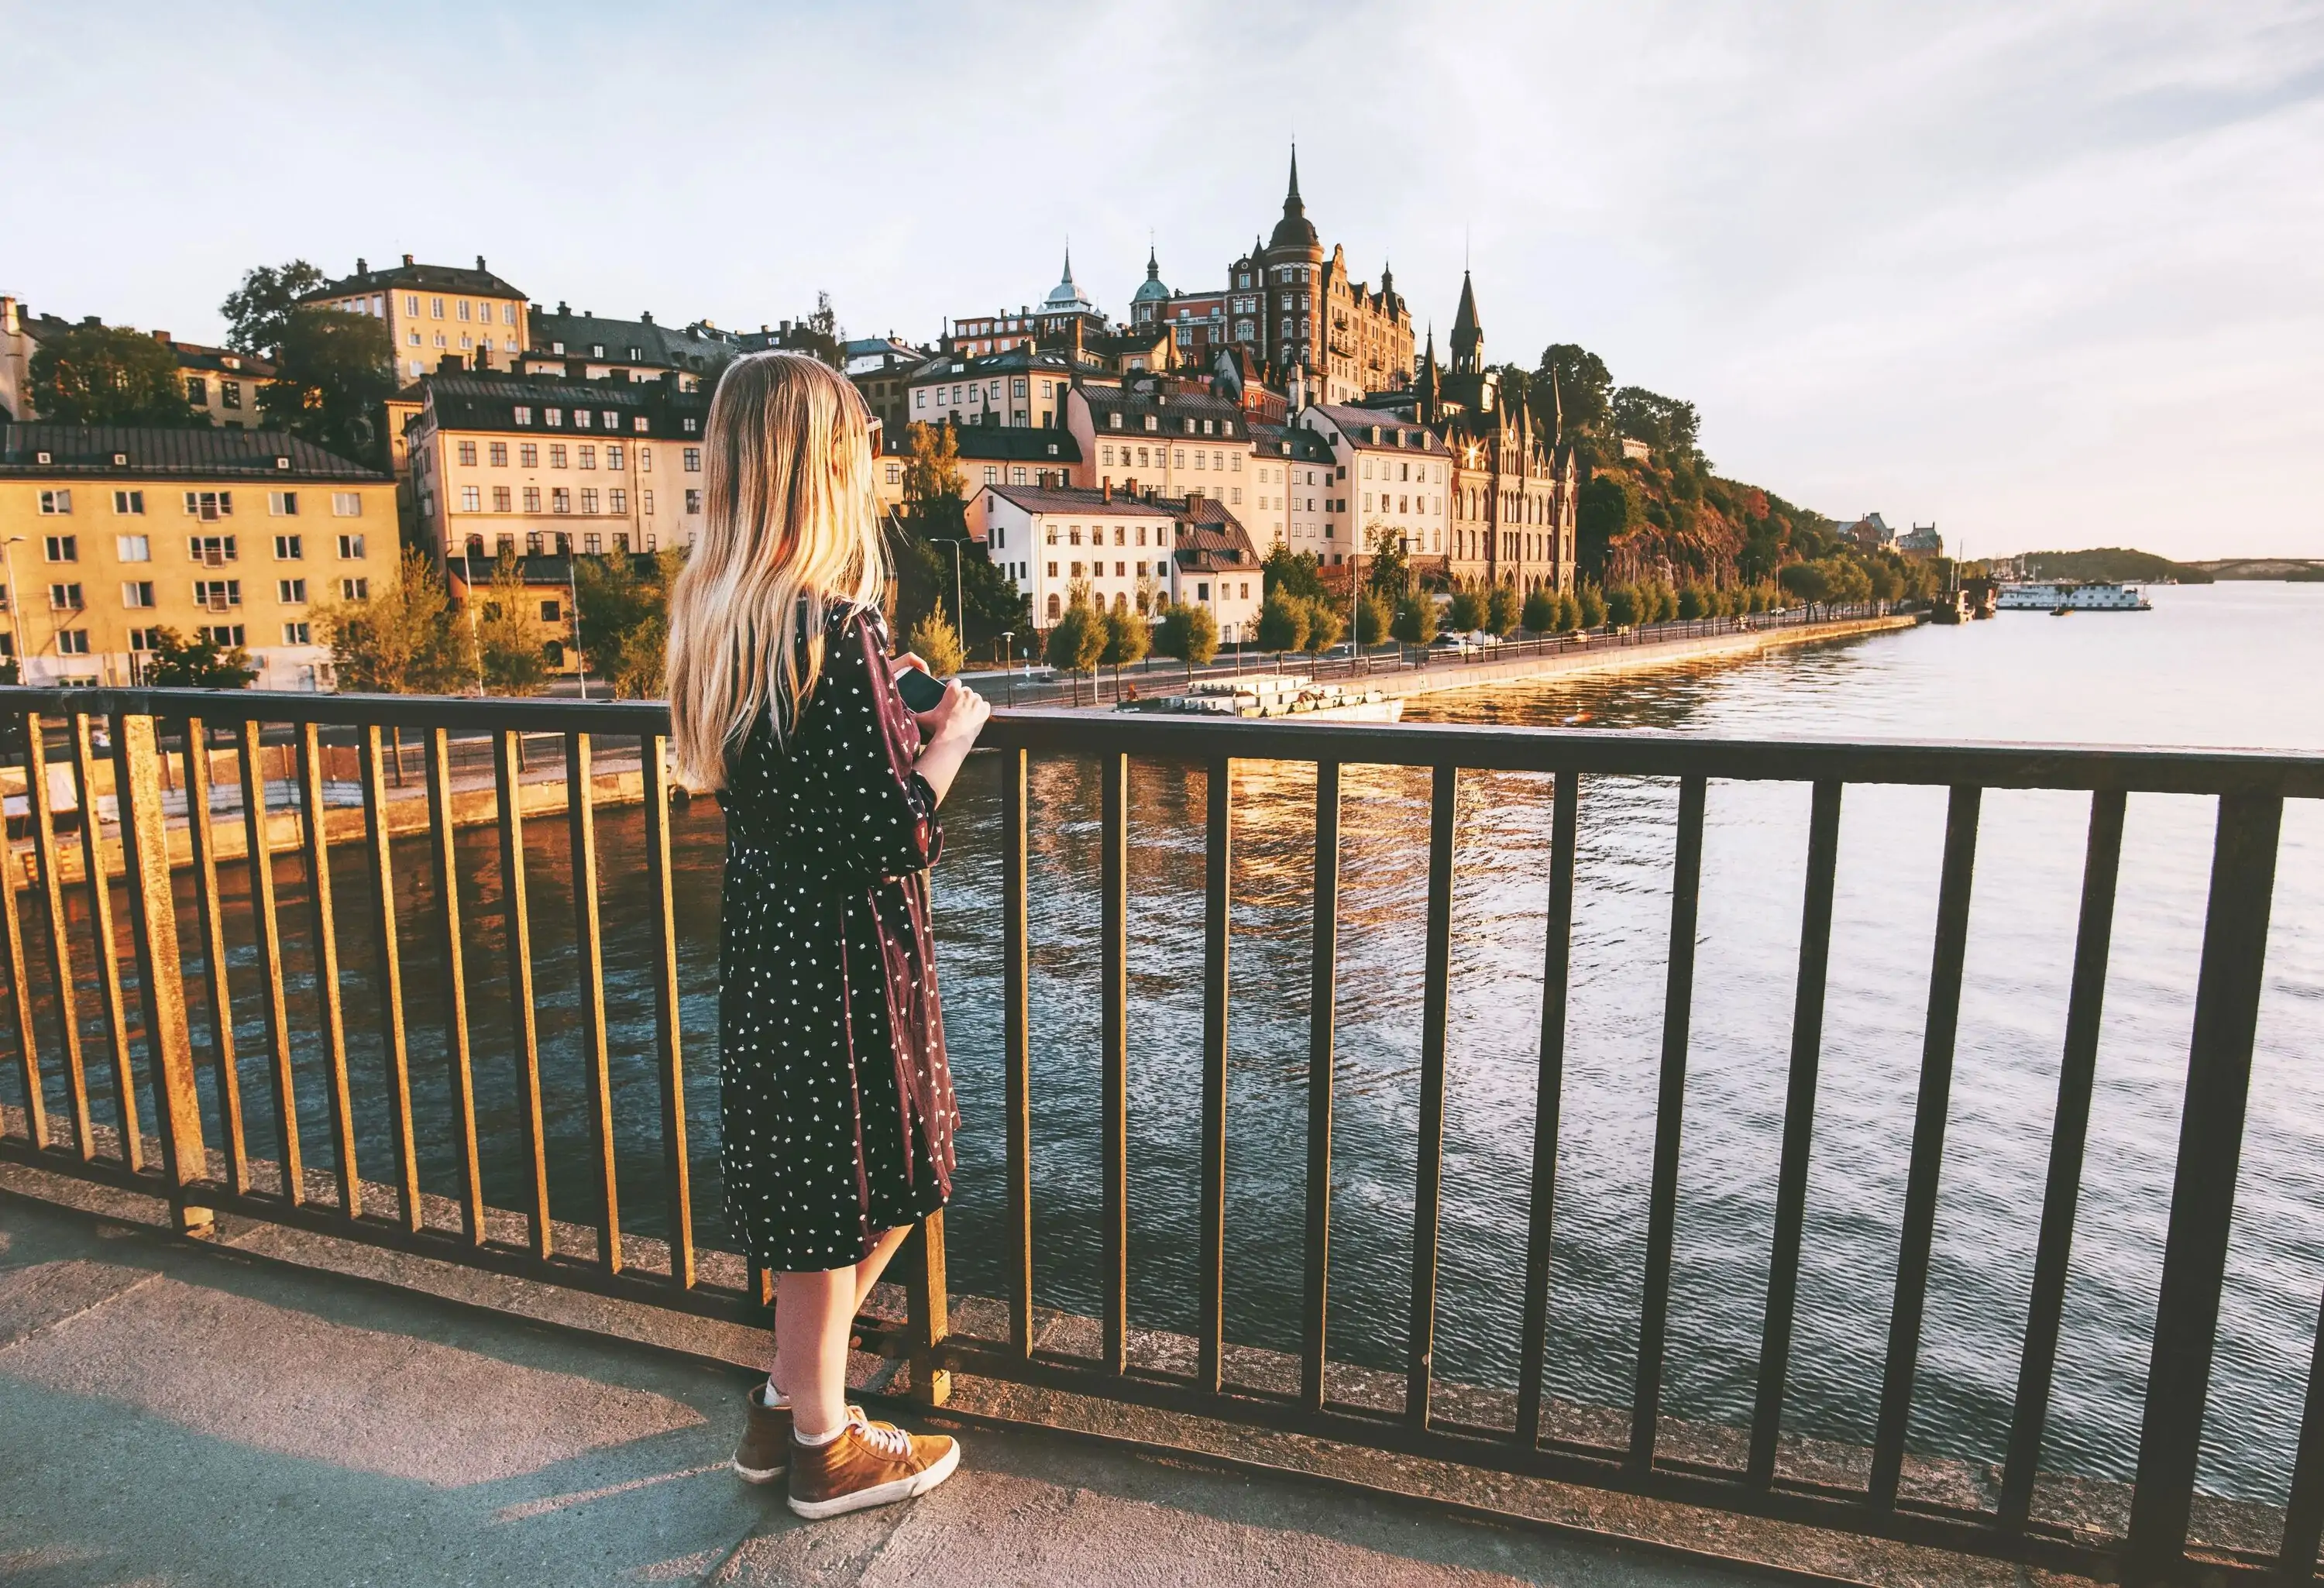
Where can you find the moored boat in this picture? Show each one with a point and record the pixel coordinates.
(2067, 595)
(1273, 695)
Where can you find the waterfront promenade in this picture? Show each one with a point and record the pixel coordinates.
(253, 1409)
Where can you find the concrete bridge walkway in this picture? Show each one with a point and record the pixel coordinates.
(176, 1413)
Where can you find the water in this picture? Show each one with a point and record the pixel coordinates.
(2226, 665)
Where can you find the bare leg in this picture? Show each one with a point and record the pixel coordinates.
(812, 1315)
(868, 1271)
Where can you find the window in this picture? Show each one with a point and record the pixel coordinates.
(499, 454)
(65, 598)
(523, 415)
(533, 543)
(467, 453)
(291, 592)
(645, 460)
(197, 390)
(296, 634)
(554, 418)
(612, 454)
(991, 475)
(132, 548)
(499, 498)
(593, 543)
(137, 593)
(552, 613)
(580, 419)
(350, 546)
(222, 634)
(462, 307)
(618, 500)
(472, 499)
(693, 501)
(72, 642)
(692, 424)
(354, 589)
(217, 594)
(144, 638)
(589, 501)
(561, 500)
(588, 456)
(289, 548)
(528, 454)
(55, 501)
(63, 547)
(645, 503)
(556, 456)
(532, 498)
(639, 424)
(129, 503)
(694, 461)
(612, 421)
(1017, 475)
(347, 504)
(436, 309)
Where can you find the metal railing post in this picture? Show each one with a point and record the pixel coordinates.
(160, 974)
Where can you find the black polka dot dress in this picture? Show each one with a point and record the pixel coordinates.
(835, 1106)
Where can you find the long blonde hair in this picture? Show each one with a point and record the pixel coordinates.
(791, 531)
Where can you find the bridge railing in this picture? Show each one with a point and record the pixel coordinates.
(53, 1007)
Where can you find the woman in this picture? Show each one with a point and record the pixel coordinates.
(835, 1108)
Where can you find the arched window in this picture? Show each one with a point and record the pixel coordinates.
(1057, 609)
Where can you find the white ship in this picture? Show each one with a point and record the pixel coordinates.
(1278, 695)
(2068, 596)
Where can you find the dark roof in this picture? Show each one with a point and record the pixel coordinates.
(447, 278)
(486, 401)
(1073, 499)
(673, 346)
(1294, 231)
(947, 367)
(195, 355)
(1211, 537)
(224, 453)
(1171, 409)
(1306, 445)
(1357, 424)
(1004, 443)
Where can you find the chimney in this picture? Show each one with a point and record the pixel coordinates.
(10, 321)
(562, 307)
(449, 365)
(163, 337)
(645, 316)
(362, 265)
(406, 259)
(1106, 490)
(480, 262)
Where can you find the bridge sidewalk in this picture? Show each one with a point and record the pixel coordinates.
(174, 1412)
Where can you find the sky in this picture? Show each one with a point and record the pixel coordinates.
(2046, 275)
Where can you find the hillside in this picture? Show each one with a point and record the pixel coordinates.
(2119, 564)
(2300, 569)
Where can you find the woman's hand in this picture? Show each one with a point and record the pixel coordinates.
(960, 713)
(908, 662)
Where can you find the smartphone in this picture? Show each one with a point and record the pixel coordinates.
(921, 692)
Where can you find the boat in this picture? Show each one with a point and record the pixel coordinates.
(1272, 695)
(2067, 595)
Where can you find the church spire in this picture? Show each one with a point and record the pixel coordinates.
(1468, 336)
(1292, 198)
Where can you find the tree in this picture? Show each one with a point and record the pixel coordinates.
(1389, 573)
(108, 376)
(1325, 626)
(932, 475)
(1416, 619)
(1844, 580)
(1501, 608)
(405, 640)
(1127, 638)
(1190, 634)
(1294, 573)
(507, 649)
(936, 643)
(258, 312)
(1468, 613)
(1583, 390)
(1375, 615)
(1078, 640)
(1592, 601)
(1803, 581)
(1541, 611)
(1667, 424)
(1622, 606)
(333, 373)
(201, 663)
(612, 602)
(1283, 624)
(1692, 604)
(1611, 505)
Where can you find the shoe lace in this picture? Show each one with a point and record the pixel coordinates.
(888, 1439)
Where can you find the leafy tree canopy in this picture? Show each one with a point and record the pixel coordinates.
(108, 376)
(1293, 573)
(333, 373)
(175, 664)
(258, 312)
(405, 640)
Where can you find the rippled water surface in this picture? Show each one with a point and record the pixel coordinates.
(2227, 665)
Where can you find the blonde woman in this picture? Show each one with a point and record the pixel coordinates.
(836, 1107)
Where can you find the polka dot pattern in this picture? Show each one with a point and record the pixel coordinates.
(835, 1104)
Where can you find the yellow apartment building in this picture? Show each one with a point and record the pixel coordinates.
(544, 467)
(433, 309)
(110, 533)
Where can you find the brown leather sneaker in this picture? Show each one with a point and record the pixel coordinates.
(766, 1447)
(870, 1463)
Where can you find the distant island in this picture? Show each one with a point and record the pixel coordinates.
(2121, 565)
(2262, 568)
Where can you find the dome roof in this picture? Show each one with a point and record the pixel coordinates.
(1064, 294)
(1293, 230)
(1151, 289)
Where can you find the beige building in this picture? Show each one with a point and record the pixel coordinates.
(433, 309)
(222, 384)
(1020, 388)
(111, 532)
(543, 467)
(1393, 474)
(1161, 434)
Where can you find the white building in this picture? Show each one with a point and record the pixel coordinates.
(1391, 473)
(1135, 553)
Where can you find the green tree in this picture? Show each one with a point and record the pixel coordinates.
(1622, 606)
(333, 373)
(1575, 382)
(1188, 633)
(932, 475)
(1078, 640)
(1325, 626)
(174, 663)
(258, 312)
(1127, 638)
(1692, 601)
(613, 601)
(1667, 424)
(936, 643)
(1283, 624)
(108, 376)
(1804, 582)
(1468, 611)
(1541, 610)
(1845, 580)
(405, 640)
(1388, 572)
(1592, 601)
(1415, 618)
(1375, 616)
(1502, 608)
(1295, 573)
(1611, 505)
(508, 651)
